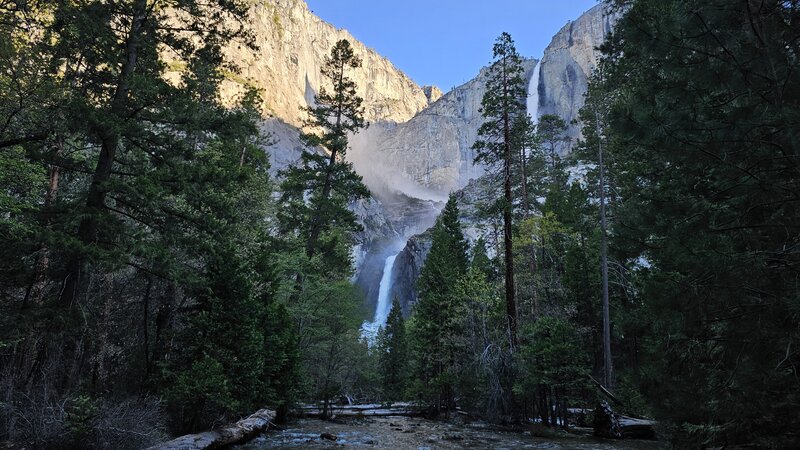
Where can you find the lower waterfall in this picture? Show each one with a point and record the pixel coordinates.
(384, 304)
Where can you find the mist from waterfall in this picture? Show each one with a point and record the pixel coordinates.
(384, 305)
(533, 94)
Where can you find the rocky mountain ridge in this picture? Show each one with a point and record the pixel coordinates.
(568, 62)
(418, 146)
(292, 46)
(432, 152)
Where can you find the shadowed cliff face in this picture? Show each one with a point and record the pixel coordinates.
(568, 62)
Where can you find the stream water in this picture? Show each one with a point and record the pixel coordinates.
(415, 433)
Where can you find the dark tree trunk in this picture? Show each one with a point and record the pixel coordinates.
(511, 303)
(608, 371)
(109, 139)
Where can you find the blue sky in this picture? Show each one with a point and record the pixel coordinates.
(446, 42)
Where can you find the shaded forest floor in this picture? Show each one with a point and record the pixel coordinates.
(417, 433)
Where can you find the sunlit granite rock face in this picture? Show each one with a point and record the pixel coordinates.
(293, 44)
(433, 150)
(418, 146)
(433, 93)
(568, 62)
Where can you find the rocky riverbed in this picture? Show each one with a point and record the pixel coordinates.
(416, 433)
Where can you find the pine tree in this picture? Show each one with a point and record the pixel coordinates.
(144, 241)
(501, 106)
(703, 128)
(436, 321)
(553, 369)
(595, 118)
(393, 361)
(329, 179)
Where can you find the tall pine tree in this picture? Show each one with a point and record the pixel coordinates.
(393, 361)
(317, 193)
(502, 105)
(436, 321)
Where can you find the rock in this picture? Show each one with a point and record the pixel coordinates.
(292, 46)
(433, 150)
(433, 93)
(328, 436)
(606, 423)
(569, 60)
(406, 270)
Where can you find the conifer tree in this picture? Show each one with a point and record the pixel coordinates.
(329, 180)
(393, 361)
(436, 321)
(501, 106)
(703, 130)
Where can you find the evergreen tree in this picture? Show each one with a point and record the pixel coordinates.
(140, 255)
(502, 105)
(393, 347)
(551, 137)
(553, 369)
(482, 381)
(316, 194)
(318, 229)
(703, 125)
(551, 134)
(436, 318)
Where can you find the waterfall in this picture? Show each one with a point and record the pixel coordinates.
(533, 94)
(384, 305)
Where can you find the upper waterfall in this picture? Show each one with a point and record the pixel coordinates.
(533, 94)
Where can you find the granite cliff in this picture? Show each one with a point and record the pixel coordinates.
(293, 44)
(418, 147)
(437, 140)
(568, 62)
(431, 153)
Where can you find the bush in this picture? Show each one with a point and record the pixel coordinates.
(39, 419)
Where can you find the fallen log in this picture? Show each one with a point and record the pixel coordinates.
(236, 433)
(365, 410)
(609, 424)
(633, 428)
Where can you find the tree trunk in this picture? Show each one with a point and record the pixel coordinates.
(223, 437)
(36, 288)
(109, 138)
(525, 203)
(511, 303)
(608, 372)
(145, 326)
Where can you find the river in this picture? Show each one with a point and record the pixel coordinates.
(416, 433)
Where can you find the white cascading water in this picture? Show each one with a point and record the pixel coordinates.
(384, 306)
(533, 94)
